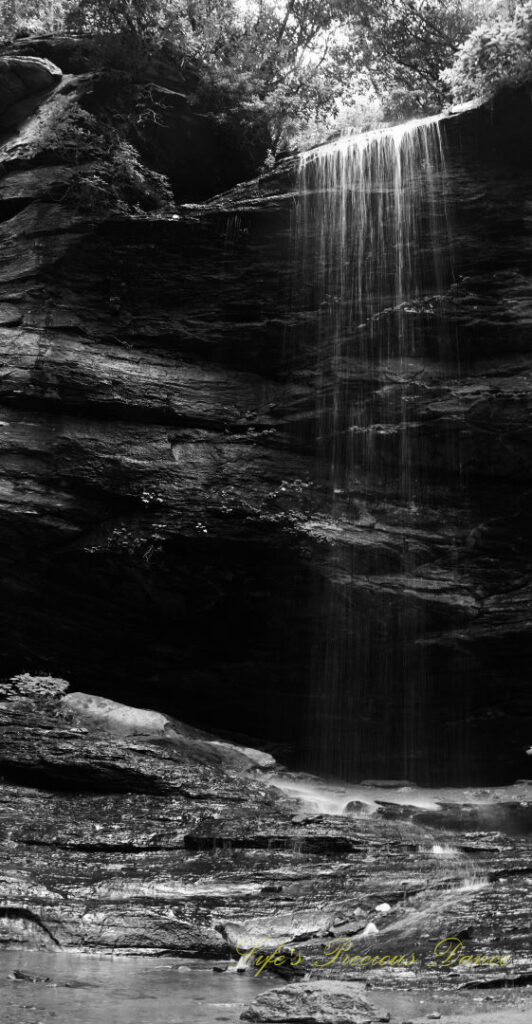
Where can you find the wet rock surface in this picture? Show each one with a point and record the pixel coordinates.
(97, 855)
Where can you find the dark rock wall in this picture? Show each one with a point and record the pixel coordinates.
(158, 104)
(168, 536)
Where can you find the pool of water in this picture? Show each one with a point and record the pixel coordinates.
(89, 989)
(85, 989)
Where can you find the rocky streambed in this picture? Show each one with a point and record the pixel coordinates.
(125, 832)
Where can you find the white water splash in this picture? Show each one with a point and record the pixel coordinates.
(444, 851)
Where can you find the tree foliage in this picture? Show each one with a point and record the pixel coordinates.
(404, 45)
(285, 63)
(281, 68)
(31, 16)
(495, 54)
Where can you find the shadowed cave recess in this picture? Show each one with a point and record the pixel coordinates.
(266, 459)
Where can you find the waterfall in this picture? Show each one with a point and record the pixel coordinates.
(374, 261)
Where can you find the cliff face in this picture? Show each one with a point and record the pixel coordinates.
(169, 538)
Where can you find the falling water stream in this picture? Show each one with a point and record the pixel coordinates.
(373, 241)
(374, 214)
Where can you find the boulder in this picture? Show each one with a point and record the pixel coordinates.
(267, 933)
(21, 77)
(110, 715)
(316, 1002)
(357, 808)
(75, 55)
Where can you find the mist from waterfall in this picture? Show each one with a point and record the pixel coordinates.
(375, 258)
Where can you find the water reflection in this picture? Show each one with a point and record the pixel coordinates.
(116, 990)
